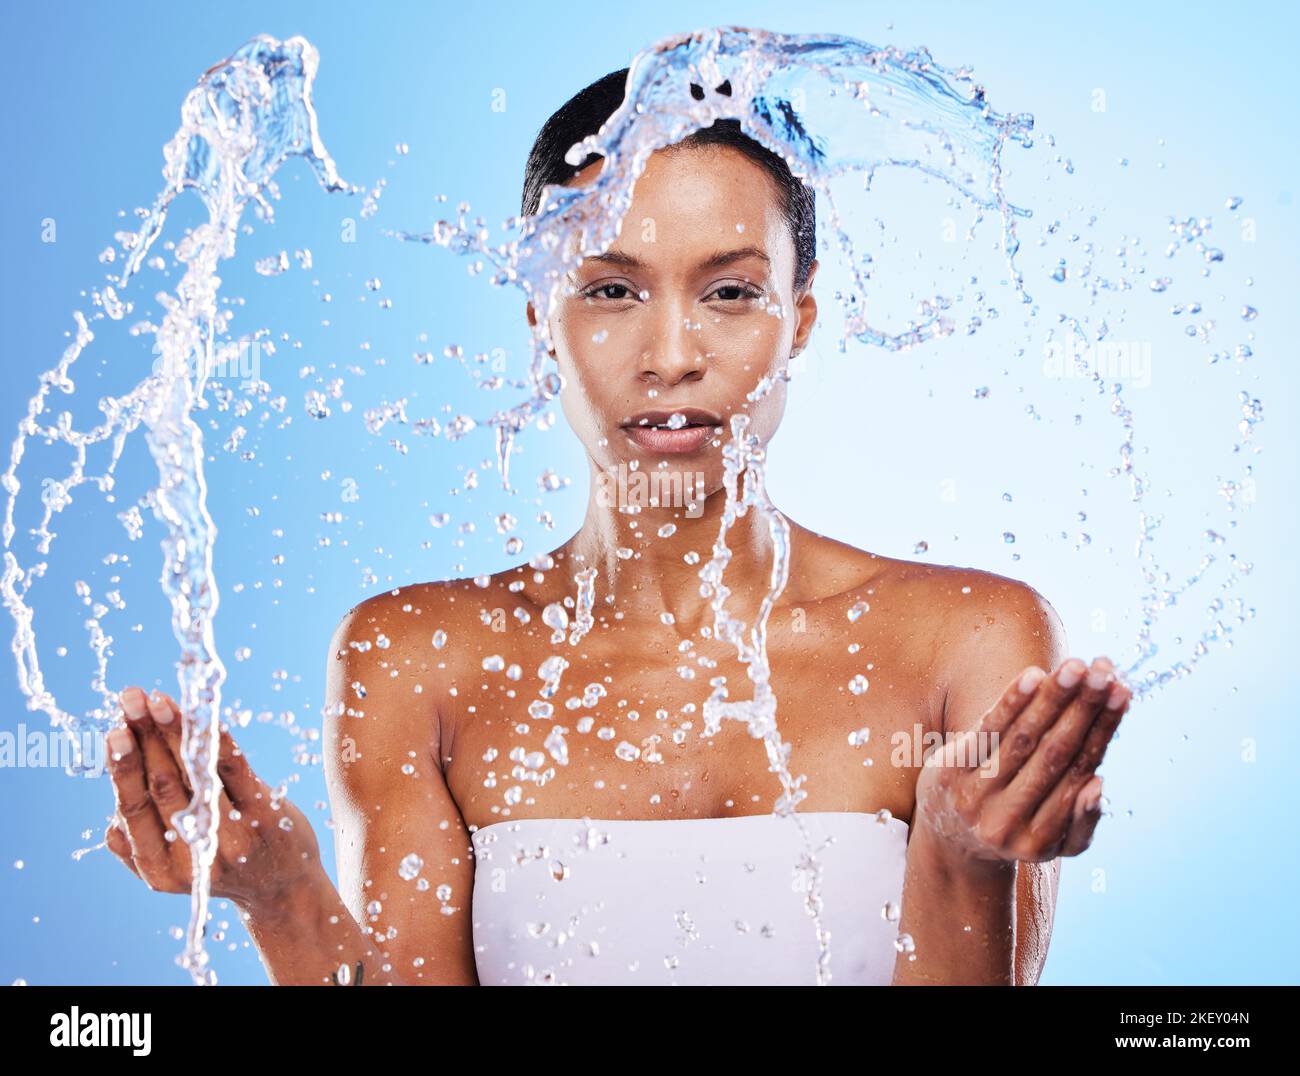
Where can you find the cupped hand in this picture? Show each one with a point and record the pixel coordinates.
(265, 844)
(1022, 784)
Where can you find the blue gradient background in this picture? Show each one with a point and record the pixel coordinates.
(1199, 857)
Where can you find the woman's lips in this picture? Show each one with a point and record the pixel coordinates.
(659, 439)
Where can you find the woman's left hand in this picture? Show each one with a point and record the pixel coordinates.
(1022, 784)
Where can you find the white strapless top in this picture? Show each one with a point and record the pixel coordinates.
(691, 902)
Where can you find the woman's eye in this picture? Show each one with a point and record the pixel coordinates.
(736, 292)
(601, 291)
(615, 292)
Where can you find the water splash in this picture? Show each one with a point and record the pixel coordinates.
(831, 106)
(244, 119)
(870, 108)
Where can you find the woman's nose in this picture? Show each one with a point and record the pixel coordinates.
(675, 354)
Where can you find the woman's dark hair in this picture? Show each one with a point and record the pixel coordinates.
(583, 114)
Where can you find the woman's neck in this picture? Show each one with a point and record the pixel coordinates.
(663, 550)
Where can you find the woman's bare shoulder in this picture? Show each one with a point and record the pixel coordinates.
(986, 627)
(950, 593)
(412, 614)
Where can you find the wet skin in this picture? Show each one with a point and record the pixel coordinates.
(943, 648)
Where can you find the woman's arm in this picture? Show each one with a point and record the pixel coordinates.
(947, 905)
(959, 916)
(981, 878)
(399, 838)
(307, 937)
(268, 861)
(1036, 888)
(405, 860)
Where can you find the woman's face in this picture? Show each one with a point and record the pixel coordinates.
(688, 310)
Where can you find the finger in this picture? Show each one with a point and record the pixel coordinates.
(1015, 697)
(971, 749)
(233, 833)
(166, 718)
(1017, 742)
(1057, 808)
(1103, 730)
(166, 780)
(1120, 694)
(117, 843)
(144, 829)
(232, 766)
(242, 785)
(166, 715)
(1061, 744)
(1084, 819)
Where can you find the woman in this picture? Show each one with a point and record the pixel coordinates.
(442, 751)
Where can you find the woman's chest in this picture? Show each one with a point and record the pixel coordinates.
(682, 732)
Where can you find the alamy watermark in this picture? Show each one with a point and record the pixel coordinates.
(624, 487)
(972, 748)
(49, 748)
(113, 1029)
(236, 360)
(1114, 360)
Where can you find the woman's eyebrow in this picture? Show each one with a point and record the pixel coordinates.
(726, 257)
(625, 260)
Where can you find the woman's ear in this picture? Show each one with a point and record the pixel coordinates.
(806, 306)
(531, 313)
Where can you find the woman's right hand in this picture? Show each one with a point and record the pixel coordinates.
(266, 846)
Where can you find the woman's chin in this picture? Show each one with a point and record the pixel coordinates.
(668, 485)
